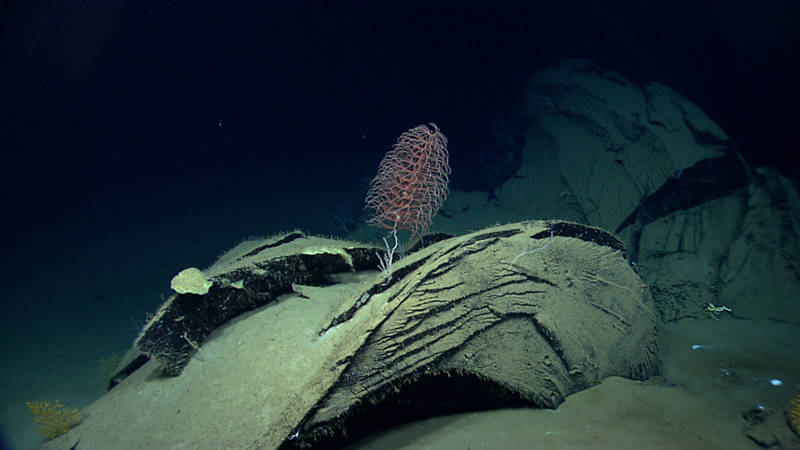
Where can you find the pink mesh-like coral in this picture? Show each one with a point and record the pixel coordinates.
(411, 184)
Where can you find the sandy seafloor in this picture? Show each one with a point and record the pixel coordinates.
(697, 404)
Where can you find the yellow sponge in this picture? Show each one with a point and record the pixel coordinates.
(191, 281)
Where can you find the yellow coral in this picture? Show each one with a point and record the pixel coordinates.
(107, 365)
(53, 419)
(793, 410)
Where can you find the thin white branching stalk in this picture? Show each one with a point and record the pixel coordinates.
(529, 251)
(385, 260)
